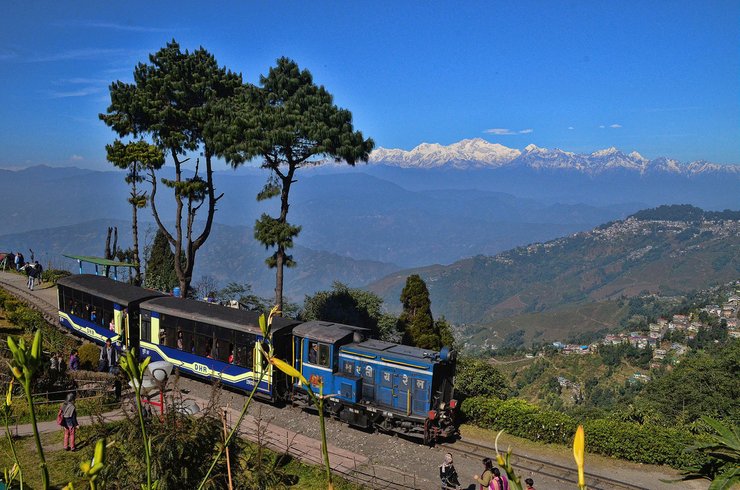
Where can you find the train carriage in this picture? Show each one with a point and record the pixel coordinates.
(98, 308)
(211, 341)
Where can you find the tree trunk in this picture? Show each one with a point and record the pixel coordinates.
(135, 229)
(287, 180)
(185, 271)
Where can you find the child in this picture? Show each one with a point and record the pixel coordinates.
(530, 484)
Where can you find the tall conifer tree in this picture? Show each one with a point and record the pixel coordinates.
(416, 320)
(160, 264)
(288, 122)
(136, 157)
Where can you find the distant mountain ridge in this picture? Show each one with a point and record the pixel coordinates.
(479, 153)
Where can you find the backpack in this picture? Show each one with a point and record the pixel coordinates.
(60, 418)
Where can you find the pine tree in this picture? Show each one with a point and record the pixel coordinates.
(160, 265)
(289, 122)
(136, 158)
(416, 320)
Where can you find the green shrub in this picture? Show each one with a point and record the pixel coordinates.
(642, 443)
(478, 377)
(89, 356)
(53, 275)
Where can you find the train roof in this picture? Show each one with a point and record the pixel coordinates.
(106, 288)
(379, 347)
(329, 332)
(213, 314)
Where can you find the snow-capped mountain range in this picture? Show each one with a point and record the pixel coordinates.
(479, 153)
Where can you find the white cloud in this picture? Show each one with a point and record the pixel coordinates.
(571, 127)
(116, 27)
(602, 126)
(506, 131)
(79, 54)
(82, 92)
(76, 158)
(615, 126)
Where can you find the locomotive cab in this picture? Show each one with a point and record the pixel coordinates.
(316, 346)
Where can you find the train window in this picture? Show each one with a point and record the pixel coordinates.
(203, 345)
(318, 354)
(224, 344)
(146, 327)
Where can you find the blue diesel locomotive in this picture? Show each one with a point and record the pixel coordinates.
(368, 383)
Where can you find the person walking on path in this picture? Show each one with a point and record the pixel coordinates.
(69, 422)
(108, 358)
(484, 480)
(39, 272)
(448, 474)
(17, 261)
(31, 273)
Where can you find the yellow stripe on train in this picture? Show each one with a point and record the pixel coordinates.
(87, 331)
(205, 370)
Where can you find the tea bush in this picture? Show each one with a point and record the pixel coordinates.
(643, 443)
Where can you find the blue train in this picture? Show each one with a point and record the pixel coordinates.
(369, 383)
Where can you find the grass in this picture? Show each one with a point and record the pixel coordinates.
(63, 465)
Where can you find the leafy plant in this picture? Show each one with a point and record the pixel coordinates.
(15, 471)
(724, 447)
(26, 361)
(135, 372)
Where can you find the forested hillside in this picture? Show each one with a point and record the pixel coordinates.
(620, 259)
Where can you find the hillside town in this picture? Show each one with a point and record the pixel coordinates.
(668, 338)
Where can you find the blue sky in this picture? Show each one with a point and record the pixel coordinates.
(662, 78)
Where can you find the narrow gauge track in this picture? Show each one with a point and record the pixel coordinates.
(541, 467)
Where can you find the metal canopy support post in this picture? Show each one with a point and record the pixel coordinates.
(79, 262)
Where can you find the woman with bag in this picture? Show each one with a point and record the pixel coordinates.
(68, 416)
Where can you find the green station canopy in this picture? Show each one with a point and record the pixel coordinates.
(100, 261)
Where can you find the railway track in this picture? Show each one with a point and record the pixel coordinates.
(565, 474)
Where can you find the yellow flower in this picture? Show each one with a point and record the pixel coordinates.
(579, 445)
(9, 395)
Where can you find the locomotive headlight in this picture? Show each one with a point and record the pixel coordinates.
(442, 406)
